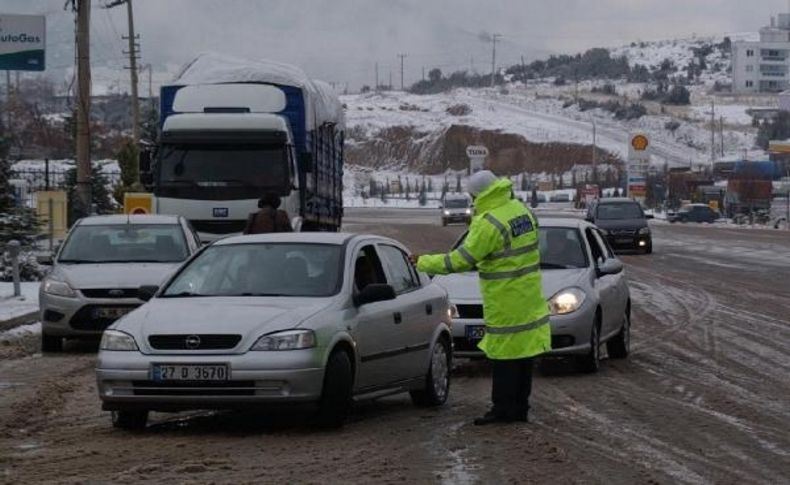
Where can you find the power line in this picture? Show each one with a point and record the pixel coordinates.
(402, 57)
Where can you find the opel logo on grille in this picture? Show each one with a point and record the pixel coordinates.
(192, 342)
(115, 293)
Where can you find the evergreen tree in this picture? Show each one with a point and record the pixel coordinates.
(524, 183)
(423, 196)
(408, 189)
(373, 187)
(100, 194)
(458, 183)
(130, 174)
(400, 186)
(16, 224)
(430, 184)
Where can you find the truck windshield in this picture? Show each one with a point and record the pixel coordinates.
(456, 203)
(222, 171)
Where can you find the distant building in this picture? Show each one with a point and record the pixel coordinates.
(762, 66)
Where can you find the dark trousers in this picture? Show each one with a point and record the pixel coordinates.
(512, 385)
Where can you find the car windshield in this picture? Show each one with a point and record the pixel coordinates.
(456, 203)
(561, 248)
(625, 210)
(125, 243)
(261, 269)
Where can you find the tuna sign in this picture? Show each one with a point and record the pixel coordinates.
(22, 41)
(477, 156)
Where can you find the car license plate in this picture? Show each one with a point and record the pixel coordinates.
(111, 313)
(189, 372)
(623, 240)
(475, 332)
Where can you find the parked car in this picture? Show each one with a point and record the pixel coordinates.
(694, 213)
(456, 208)
(623, 222)
(283, 318)
(100, 266)
(587, 290)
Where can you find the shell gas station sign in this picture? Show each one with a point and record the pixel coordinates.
(638, 165)
(138, 203)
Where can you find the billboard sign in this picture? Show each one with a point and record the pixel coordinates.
(477, 157)
(638, 165)
(22, 41)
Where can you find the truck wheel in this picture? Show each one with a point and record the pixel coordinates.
(591, 362)
(437, 381)
(131, 420)
(620, 345)
(335, 402)
(51, 343)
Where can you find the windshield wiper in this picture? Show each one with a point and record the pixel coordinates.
(260, 294)
(183, 294)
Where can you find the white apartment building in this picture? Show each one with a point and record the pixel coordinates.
(763, 67)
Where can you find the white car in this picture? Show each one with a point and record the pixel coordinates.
(289, 318)
(586, 288)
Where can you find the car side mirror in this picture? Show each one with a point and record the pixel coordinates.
(45, 259)
(610, 267)
(374, 293)
(649, 216)
(147, 292)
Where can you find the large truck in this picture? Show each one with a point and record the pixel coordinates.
(231, 130)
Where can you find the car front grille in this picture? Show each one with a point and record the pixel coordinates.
(194, 341)
(84, 319)
(622, 232)
(110, 293)
(193, 388)
(470, 311)
(219, 227)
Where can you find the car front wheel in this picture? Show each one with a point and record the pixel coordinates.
(437, 382)
(591, 361)
(620, 345)
(131, 420)
(335, 400)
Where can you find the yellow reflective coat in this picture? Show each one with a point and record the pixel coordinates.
(502, 244)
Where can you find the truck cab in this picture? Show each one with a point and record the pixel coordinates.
(456, 208)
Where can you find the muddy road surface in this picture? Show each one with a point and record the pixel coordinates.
(704, 397)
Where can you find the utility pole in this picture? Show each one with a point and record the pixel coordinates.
(402, 57)
(8, 98)
(390, 85)
(712, 132)
(133, 56)
(83, 107)
(721, 134)
(494, 39)
(423, 73)
(376, 86)
(594, 154)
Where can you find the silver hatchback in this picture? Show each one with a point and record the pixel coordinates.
(586, 288)
(100, 266)
(309, 318)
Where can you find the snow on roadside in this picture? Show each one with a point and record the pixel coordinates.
(13, 307)
(21, 332)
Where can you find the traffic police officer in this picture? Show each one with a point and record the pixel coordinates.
(502, 244)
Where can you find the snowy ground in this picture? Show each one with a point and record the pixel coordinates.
(12, 307)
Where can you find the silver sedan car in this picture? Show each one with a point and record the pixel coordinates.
(100, 266)
(586, 288)
(314, 318)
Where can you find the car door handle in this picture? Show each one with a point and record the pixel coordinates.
(397, 317)
(429, 309)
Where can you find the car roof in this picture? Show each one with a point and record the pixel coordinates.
(128, 219)
(335, 238)
(564, 222)
(616, 200)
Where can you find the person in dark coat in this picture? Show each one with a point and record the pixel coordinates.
(269, 217)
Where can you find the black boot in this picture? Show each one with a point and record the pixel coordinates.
(490, 418)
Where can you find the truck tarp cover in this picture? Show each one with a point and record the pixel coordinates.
(218, 69)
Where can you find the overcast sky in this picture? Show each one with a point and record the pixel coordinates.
(340, 40)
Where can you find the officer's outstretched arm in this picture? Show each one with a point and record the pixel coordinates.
(482, 240)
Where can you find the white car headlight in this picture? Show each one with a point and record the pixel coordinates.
(58, 288)
(644, 230)
(567, 301)
(287, 340)
(447, 213)
(468, 212)
(452, 311)
(117, 340)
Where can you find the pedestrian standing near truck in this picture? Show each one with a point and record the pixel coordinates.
(502, 244)
(269, 217)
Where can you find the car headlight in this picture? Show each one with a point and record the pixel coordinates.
(287, 340)
(452, 311)
(58, 287)
(567, 301)
(468, 212)
(117, 340)
(644, 230)
(447, 213)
